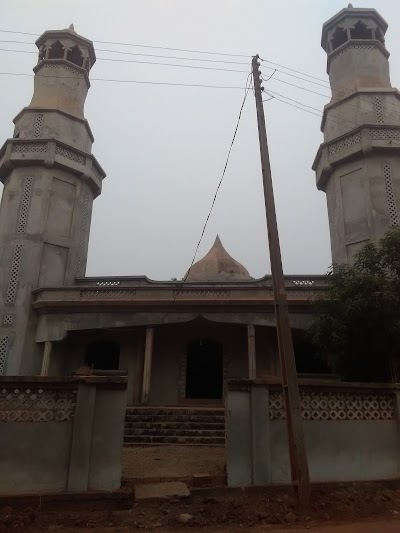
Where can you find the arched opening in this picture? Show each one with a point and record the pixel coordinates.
(339, 37)
(56, 51)
(360, 31)
(102, 355)
(204, 370)
(75, 56)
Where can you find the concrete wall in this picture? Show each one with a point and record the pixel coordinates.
(351, 433)
(61, 434)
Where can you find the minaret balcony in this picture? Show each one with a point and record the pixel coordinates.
(359, 142)
(49, 153)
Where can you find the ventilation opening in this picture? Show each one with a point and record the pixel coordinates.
(56, 51)
(102, 355)
(339, 38)
(360, 31)
(75, 56)
(204, 370)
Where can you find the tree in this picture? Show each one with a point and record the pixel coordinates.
(356, 324)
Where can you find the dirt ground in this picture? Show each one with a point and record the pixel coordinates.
(230, 511)
(172, 461)
(359, 527)
(362, 508)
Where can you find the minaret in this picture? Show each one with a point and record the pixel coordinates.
(50, 181)
(358, 165)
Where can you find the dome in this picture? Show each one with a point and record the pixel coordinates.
(218, 265)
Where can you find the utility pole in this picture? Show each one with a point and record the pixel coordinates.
(298, 456)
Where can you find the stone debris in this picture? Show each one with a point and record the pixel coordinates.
(185, 518)
(161, 491)
(290, 518)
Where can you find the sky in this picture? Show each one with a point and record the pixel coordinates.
(164, 147)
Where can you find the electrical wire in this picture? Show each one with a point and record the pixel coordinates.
(169, 64)
(247, 89)
(293, 70)
(222, 70)
(335, 118)
(140, 45)
(325, 84)
(200, 59)
(127, 81)
(388, 115)
(141, 62)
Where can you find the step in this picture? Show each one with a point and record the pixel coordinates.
(157, 425)
(174, 425)
(175, 411)
(176, 432)
(147, 440)
(176, 418)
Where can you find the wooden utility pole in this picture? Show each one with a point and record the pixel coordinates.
(297, 450)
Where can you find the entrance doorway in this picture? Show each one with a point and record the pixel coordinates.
(102, 355)
(204, 370)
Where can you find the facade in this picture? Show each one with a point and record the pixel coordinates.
(178, 343)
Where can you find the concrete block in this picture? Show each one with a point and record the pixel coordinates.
(161, 491)
(201, 480)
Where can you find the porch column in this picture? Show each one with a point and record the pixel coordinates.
(148, 356)
(46, 358)
(251, 350)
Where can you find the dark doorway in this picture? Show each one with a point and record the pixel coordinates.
(204, 370)
(102, 355)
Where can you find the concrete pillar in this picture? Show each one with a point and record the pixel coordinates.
(251, 351)
(248, 435)
(46, 358)
(396, 408)
(78, 478)
(148, 356)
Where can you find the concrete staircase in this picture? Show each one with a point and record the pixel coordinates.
(193, 426)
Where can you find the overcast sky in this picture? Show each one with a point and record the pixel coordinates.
(164, 147)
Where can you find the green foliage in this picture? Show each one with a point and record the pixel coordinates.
(357, 323)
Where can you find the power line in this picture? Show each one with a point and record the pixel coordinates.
(170, 64)
(326, 83)
(297, 107)
(335, 118)
(389, 113)
(197, 59)
(144, 62)
(200, 59)
(276, 97)
(247, 89)
(327, 86)
(127, 81)
(219, 69)
(293, 70)
(141, 45)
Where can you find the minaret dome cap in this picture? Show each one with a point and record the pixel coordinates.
(68, 37)
(348, 17)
